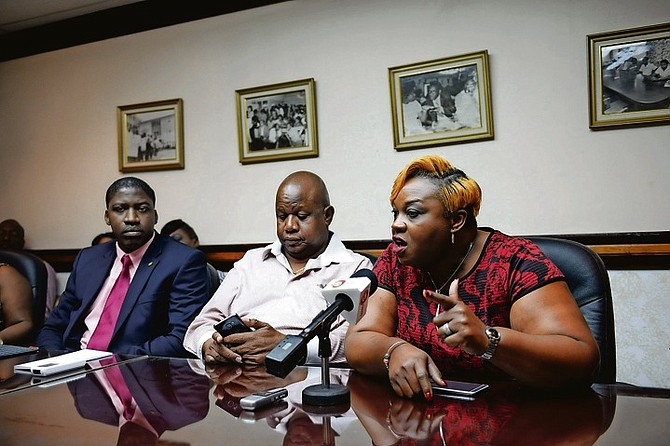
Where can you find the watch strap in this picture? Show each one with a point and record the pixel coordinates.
(494, 339)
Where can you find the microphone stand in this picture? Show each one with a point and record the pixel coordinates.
(325, 394)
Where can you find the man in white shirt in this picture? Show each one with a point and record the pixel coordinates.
(467, 105)
(276, 290)
(662, 73)
(646, 67)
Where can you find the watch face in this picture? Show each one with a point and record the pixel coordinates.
(492, 333)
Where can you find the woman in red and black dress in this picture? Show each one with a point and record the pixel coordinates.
(459, 301)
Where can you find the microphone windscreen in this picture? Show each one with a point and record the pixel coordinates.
(345, 301)
(370, 276)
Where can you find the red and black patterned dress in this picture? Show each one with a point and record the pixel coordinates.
(507, 269)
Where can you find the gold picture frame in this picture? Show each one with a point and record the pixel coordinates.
(625, 84)
(151, 136)
(277, 122)
(440, 102)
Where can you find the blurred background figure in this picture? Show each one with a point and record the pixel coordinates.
(103, 237)
(181, 231)
(12, 236)
(16, 303)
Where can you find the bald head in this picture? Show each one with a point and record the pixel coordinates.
(304, 213)
(307, 181)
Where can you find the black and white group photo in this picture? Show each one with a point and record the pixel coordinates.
(151, 136)
(636, 76)
(441, 101)
(277, 121)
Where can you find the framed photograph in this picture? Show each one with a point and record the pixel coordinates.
(151, 136)
(277, 122)
(629, 77)
(439, 102)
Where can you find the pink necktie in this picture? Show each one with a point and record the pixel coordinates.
(115, 378)
(103, 332)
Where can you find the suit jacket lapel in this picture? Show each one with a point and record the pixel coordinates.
(95, 277)
(147, 265)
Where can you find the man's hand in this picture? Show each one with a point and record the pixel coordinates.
(240, 381)
(242, 348)
(214, 351)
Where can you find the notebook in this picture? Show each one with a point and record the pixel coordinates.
(7, 350)
(62, 363)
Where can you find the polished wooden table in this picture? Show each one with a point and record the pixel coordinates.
(12, 382)
(177, 402)
(640, 94)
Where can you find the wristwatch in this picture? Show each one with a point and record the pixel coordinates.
(494, 339)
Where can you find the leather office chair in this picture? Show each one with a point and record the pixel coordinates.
(588, 280)
(214, 281)
(32, 267)
(372, 257)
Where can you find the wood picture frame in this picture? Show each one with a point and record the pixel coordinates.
(443, 101)
(277, 122)
(629, 77)
(151, 136)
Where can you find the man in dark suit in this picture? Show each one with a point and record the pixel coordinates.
(165, 285)
(166, 395)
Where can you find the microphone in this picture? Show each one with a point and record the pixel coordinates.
(358, 288)
(342, 295)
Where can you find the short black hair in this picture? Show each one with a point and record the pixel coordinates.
(97, 238)
(129, 182)
(174, 225)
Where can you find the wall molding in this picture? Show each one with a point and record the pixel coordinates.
(627, 251)
(115, 22)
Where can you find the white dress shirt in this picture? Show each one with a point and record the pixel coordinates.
(262, 286)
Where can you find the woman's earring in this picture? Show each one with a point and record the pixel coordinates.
(452, 239)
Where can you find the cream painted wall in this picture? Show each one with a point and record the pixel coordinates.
(641, 325)
(545, 171)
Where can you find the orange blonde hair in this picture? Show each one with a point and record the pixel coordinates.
(456, 190)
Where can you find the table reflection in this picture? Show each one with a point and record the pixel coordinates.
(10, 380)
(143, 398)
(300, 425)
(506, 414)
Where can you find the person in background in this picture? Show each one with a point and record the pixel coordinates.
(662, 73)
(16, 303)
(458, 300)
(183, 232)
(411, 109)
(134, 296)
(276, 290)
(12, 236)
(467, 105)
(103, 238)
(646, 68)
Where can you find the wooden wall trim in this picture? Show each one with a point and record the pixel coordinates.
(628, 251)
(114, 22)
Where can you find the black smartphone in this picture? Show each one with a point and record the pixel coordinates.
(231, 325)
(458, 388)
(230, 404)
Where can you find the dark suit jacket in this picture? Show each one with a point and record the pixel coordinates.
(168, 290)
(169, 393)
